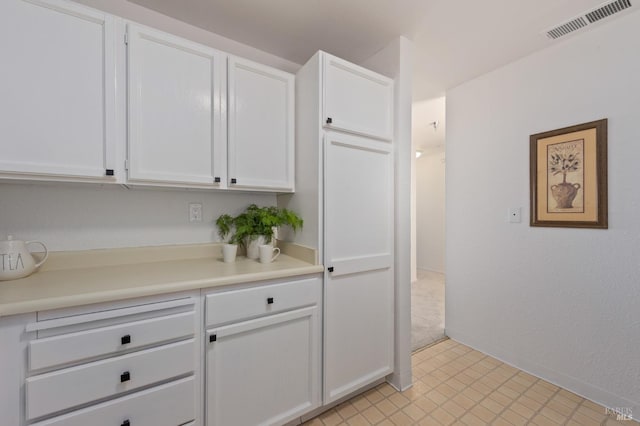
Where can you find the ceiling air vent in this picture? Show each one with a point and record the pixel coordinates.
(605, 10)
(567, 28)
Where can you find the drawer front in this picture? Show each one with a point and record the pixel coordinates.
(51, 392)
(234, 305)
(170, 404)
(83, 345)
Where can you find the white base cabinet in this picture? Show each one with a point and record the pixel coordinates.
(265, 370)
(130, 364)
(249, 354)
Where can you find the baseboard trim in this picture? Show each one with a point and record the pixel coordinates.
(429, 270)
(570, 383)
(442, 339)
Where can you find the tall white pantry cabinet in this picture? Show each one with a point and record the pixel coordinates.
(344, 190)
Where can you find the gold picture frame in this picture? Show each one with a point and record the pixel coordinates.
(568, 181)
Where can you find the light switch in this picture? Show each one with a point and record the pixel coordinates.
(515, 215)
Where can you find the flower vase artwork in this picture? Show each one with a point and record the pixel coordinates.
(566, 159)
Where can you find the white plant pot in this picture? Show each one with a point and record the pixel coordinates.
(229, 252)
(253, 251)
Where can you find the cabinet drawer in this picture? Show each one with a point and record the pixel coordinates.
(70, 387)
(170, 404)
(252, 302)
(74, 347)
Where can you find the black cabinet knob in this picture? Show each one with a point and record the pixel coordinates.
(125, 377)
(126, 339)
(330, 269)
(213, 338)
(126, 423)
(109, 172)
(270, 300)
(234, 180)
(216, 179)
(329, 120)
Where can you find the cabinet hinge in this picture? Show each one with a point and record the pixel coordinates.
(126, 164)
(126, 38)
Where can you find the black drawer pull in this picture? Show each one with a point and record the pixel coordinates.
(329, 120)
(109, 172)
(125, 377)
(330, 269)
(216, 179)
(270, 301)
(234, 180)
(213, 338)
(126, 339)
(126, 423)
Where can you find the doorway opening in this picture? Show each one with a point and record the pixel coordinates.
(428, 281)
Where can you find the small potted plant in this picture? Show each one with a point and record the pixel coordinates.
(256, 226)
(230, 248)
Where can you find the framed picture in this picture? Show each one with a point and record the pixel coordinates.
(569, 177)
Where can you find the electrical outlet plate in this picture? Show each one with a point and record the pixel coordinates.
(195, 212)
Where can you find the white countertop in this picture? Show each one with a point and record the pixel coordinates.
(66, 283)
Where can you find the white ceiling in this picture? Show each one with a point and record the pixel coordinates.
(455, 41)
(296, 29)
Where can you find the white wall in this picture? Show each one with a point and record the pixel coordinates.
(396, 61)
(78, 217)
(560, 303)
(430, 211)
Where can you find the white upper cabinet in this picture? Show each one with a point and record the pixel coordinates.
(357, 100)
(175, 115)
(261, 126)
(79, 105)
(57, 91)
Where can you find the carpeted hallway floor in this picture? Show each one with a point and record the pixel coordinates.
(427, 309)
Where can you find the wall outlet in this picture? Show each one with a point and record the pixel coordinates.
(515, 215)
(195, 212)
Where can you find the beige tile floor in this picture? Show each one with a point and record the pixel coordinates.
(454, 384)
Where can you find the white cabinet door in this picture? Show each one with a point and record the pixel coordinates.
(261, 126)
(57, 90)
(263, 371)
(357, 100)
(175, 114)
(358, 316)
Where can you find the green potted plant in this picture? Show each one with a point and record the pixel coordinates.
(229, 250)
(256, 226)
